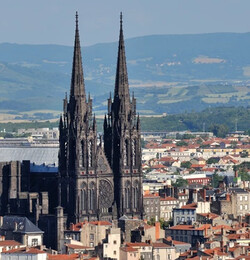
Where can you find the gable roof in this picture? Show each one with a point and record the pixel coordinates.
(19, 225)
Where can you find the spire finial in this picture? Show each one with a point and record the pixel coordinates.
(76, 19)
(121, 19)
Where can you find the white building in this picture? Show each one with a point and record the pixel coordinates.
(111, 249)
(24, 254)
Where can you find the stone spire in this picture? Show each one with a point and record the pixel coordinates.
(121, 82)
(77, 89)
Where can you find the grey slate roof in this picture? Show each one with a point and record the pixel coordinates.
(23, 225)
(38, 155)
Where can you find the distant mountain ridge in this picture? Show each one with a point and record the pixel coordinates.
(168, 73)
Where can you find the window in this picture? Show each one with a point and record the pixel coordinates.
(240, 198)
(91, 236)
(91, 244)
(114, 242)
(34, 242)
(114, 252)
(241, 206)
(245, 198)
(245, 207)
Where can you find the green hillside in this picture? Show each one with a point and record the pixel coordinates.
(168, 74)
(195, 121)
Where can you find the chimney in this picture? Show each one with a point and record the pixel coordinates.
(157, 230)
(203, 194)
(227, 197)
(195, 196)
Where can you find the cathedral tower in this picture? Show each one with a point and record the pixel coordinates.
(122, 141)
(85, 178)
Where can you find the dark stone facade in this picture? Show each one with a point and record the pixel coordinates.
(92, 182)
(122, 142)
(96, 183)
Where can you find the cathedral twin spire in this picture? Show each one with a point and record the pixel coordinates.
(121, 82)
(77, 80)
(81, 160)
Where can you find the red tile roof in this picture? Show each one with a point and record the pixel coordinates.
(138, 244)
(168, 199)
(128, 249)
(63, 257)
(25, 250)
(9, 243)
(208, 215)
(160, 245)
(77, 246)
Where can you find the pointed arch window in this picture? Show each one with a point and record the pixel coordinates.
(126, 153)
(135, 194)
(84, 196)
(127, 195)
(82, 153)
(91, 196)
(133, 152)
(90, 153)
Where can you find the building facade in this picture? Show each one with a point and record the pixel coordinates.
(122, 141)
(97, 183)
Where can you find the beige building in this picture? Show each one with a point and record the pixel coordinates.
(167, 205)
(90, 234)
(144, 249)
(240, 202)
(129, 253)
(111, 248)
(162, 251)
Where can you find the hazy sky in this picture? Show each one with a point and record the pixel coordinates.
(52, 21)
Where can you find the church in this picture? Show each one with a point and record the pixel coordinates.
(99, 178)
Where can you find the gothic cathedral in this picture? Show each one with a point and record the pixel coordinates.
(96, 183)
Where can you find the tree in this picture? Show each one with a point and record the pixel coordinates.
(212, 160)
(216, 179)
(151, 222)
(164, 224)
(180, 183)
(182, 143)
(219, 130)
(186, 165)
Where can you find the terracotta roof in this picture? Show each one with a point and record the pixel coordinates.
(158, 166)
(216, 250)
(198, 165)
(175, 242)
(222, 226)
(9, 243)
(77, 246)
(25, 250)
(190, 227)
(100, 223)
(160, 245)
(128, 249)
(168, 198)
(209, 215)
(63, 257)
(190, 206)
(166, 159)
(151, 195)
(138, 244)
